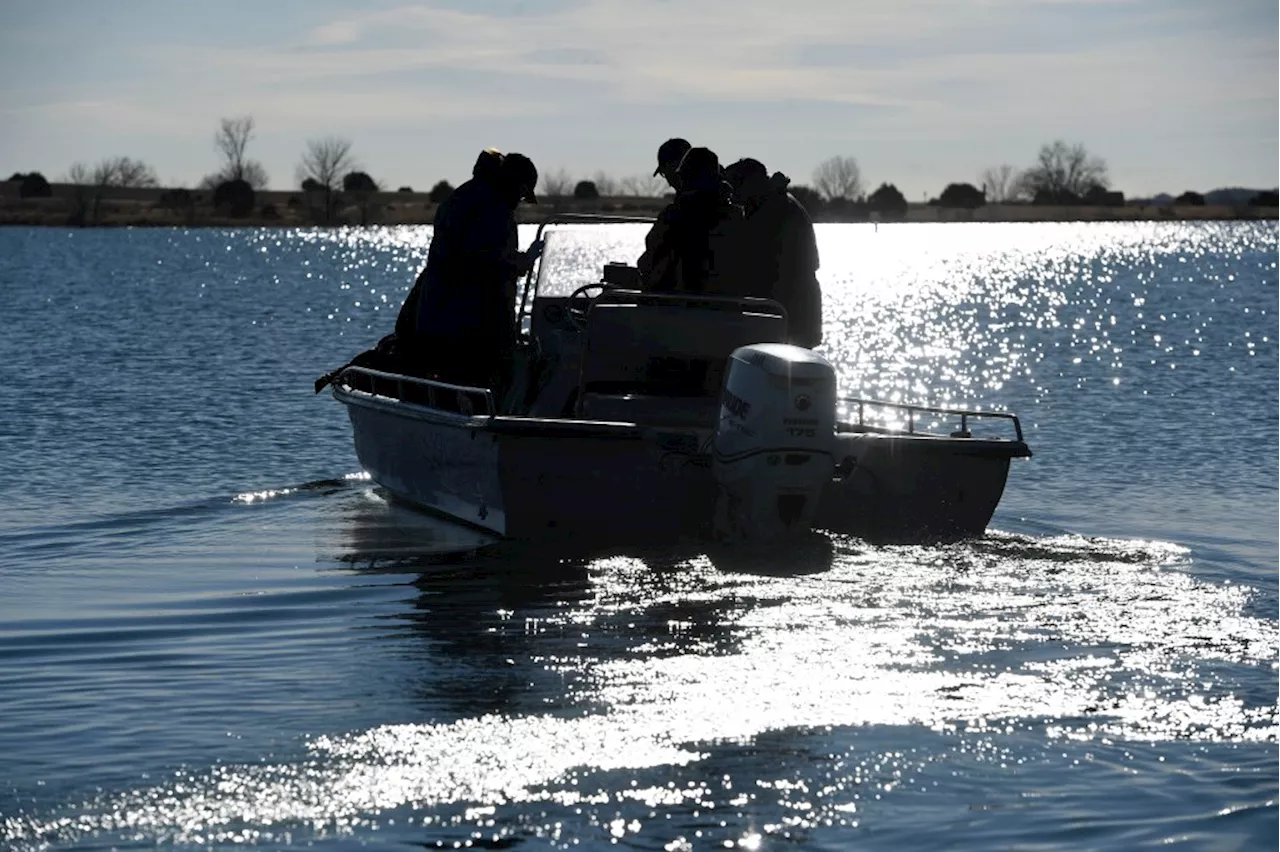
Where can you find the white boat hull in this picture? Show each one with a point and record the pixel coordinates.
(605, 482)
(639, 416)
(447, 463)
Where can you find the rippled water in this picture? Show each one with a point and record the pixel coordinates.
(215, 631)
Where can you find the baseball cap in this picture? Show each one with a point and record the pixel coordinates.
(671, 151)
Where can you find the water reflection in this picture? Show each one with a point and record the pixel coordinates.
(632, 695)
(510, 627)
(645, 697)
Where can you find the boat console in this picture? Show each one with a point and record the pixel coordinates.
(662, 356)
(610, 351)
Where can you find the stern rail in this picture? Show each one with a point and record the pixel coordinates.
(912, 410)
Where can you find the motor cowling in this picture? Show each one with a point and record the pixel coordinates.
(773, 446)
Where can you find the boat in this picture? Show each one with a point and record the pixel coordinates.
(639, 417)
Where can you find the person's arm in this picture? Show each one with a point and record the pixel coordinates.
(487, 247)
(658, 265)
(653, 247)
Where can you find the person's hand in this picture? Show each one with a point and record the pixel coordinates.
(535, 249)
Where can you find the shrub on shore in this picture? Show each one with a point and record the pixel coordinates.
(888, 201)
(964, 196)
(440, 192)
(235, 197)
(34, 185)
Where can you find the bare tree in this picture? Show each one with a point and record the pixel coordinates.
(80, 179)
(1000, 183)
(643, 185)
(323, 165)
(230, 141)
(838, 177)
(101, 178)
(557, 184)
(127, 174)
(90, 184)
(254, 175)
(123, 172)
(605, 184)
(1063, 170)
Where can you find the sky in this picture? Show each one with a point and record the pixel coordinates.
(1171, 94)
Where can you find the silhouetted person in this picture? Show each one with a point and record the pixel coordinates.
(682, 247)
(775, 249)
(487, 168)
(670, 153)
(458, 324)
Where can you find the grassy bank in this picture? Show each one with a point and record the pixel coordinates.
(157, 208)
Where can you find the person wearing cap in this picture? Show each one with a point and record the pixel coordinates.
(775, 253)
(670, 153)
(688, 239)
(458, 323)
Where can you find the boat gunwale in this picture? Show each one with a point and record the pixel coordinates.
(409, 410)
(548, 427)
(497, 424)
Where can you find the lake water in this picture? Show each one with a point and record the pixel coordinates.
(215, 631)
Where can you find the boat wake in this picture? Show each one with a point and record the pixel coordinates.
(318, 488)
(31, 547)
(1008, 649)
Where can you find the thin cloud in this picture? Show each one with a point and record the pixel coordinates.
(743, 51)
(874, 79)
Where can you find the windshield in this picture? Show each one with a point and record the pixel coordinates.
(574, 255)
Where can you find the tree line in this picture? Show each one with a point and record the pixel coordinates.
(331, 180)
(1063, 174)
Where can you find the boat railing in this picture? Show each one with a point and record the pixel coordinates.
(736, 304)
(444, 396)
(530, 289)
(912, 411)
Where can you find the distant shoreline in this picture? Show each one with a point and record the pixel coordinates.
(153, 208)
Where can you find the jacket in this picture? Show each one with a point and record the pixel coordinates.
(777, 258)
(466, 292)
(687, 246)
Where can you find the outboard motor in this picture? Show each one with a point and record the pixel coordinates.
(772, 451)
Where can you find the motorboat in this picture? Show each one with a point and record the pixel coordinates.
(638, 417)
